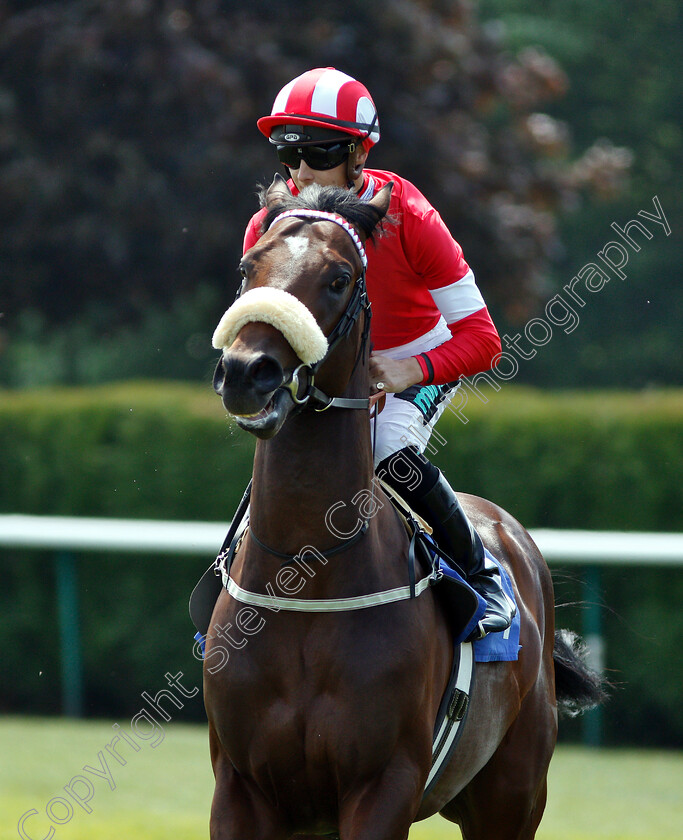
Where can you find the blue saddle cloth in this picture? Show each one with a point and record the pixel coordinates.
(495, 647)
(505, 646)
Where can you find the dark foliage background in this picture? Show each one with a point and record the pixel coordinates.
(624, 61)
(129, 157)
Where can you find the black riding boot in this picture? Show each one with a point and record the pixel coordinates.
(452, 530)
(458, 538)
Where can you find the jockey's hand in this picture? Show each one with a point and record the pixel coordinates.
(395, 375)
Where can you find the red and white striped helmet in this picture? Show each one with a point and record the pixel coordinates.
(327, 98)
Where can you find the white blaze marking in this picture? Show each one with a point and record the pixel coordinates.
(297, 245)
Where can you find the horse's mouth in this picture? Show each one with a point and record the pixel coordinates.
(267, 422)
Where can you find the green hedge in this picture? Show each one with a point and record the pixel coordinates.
(600, 461)
(148, 450)
(152, 450)
(571, 460)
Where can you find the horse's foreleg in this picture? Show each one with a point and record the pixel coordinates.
(236, 811)
(384, 809)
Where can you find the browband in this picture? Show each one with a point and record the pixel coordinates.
(329, 217)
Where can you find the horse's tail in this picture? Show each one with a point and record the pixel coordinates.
(577, 686)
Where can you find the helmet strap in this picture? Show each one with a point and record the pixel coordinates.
(353, 170)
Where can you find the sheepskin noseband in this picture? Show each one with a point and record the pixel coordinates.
(281, 310)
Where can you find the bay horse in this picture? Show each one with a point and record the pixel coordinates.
(321, 722)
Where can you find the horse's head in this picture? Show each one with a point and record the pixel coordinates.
(302, 295)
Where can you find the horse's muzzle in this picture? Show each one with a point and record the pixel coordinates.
(246, 385)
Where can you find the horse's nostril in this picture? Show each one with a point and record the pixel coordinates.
(266, 374)
(219, 377)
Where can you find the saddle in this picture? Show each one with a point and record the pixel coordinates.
(462, 606)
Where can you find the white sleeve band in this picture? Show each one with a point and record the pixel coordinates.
(460, 299)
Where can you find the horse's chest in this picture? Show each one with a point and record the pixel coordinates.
(299, 709)
(305, 746)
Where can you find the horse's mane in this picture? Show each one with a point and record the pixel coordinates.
(363, 216)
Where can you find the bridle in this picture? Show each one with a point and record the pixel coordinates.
(313, 397)
(357, 303)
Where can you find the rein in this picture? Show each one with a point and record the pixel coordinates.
(337, 549)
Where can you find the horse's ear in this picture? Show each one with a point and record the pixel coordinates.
(381, 201)
(278, 191)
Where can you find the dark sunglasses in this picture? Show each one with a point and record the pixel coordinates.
(325, 156)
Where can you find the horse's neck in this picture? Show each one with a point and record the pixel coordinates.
(316, 462)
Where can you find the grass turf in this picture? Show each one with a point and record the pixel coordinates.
(165, 791)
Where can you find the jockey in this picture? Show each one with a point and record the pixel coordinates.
(430, 325)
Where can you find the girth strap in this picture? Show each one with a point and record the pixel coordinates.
(452, 713)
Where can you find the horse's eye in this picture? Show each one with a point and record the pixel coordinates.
(243, 275)
(340, 283)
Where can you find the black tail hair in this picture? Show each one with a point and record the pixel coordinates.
(577, 687)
